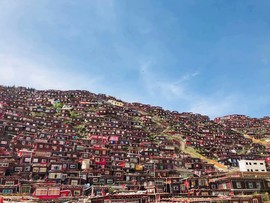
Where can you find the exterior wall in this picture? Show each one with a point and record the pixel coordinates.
(85, 163)
(252, 165)
(116, 103)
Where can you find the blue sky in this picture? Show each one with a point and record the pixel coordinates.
(208, 57)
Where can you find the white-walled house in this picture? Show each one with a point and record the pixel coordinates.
(252, 165)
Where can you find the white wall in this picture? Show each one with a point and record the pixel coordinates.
(252, 165)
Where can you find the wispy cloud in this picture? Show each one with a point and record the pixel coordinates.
(142, 52)
(22, 71)
(29, 58)
(179, 90)
(157, 84)
(213, 106)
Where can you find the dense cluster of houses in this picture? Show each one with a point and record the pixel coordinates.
(221, 141)
(76, 143)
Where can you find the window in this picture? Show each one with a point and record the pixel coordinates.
(74, 182)
(72, 166)
(35, 170)
(55, 175)
(4, 164)
(9, 182)
(250, 185)
(77, 192)
(7, 191)
(109, 181)
(53, 191)
(42, 170)
(64, 166)
(238, 185)
(258, 185)
(27, 160)
(118, 174)
(26, 189)
(35, 160)
(159, 182)
(17, 169)
(55, 167)
(95, 180)
(102, 181)
(224, 186)
(255, 201)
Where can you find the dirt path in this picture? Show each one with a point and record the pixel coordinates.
(193, 153)
(218, 165)
(188, 150)
(264, 143)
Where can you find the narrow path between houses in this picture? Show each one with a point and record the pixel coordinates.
(191, 151)
(264, 143)
(218, 165)
(188, 150)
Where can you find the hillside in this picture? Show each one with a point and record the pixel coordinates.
(71, 125)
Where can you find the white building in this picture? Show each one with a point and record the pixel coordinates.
(252, 165)
(115, 103)
(85, 163)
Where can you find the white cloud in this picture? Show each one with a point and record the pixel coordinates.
(156, 84)
(21, 71)
(25, 62)
(213, 106)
